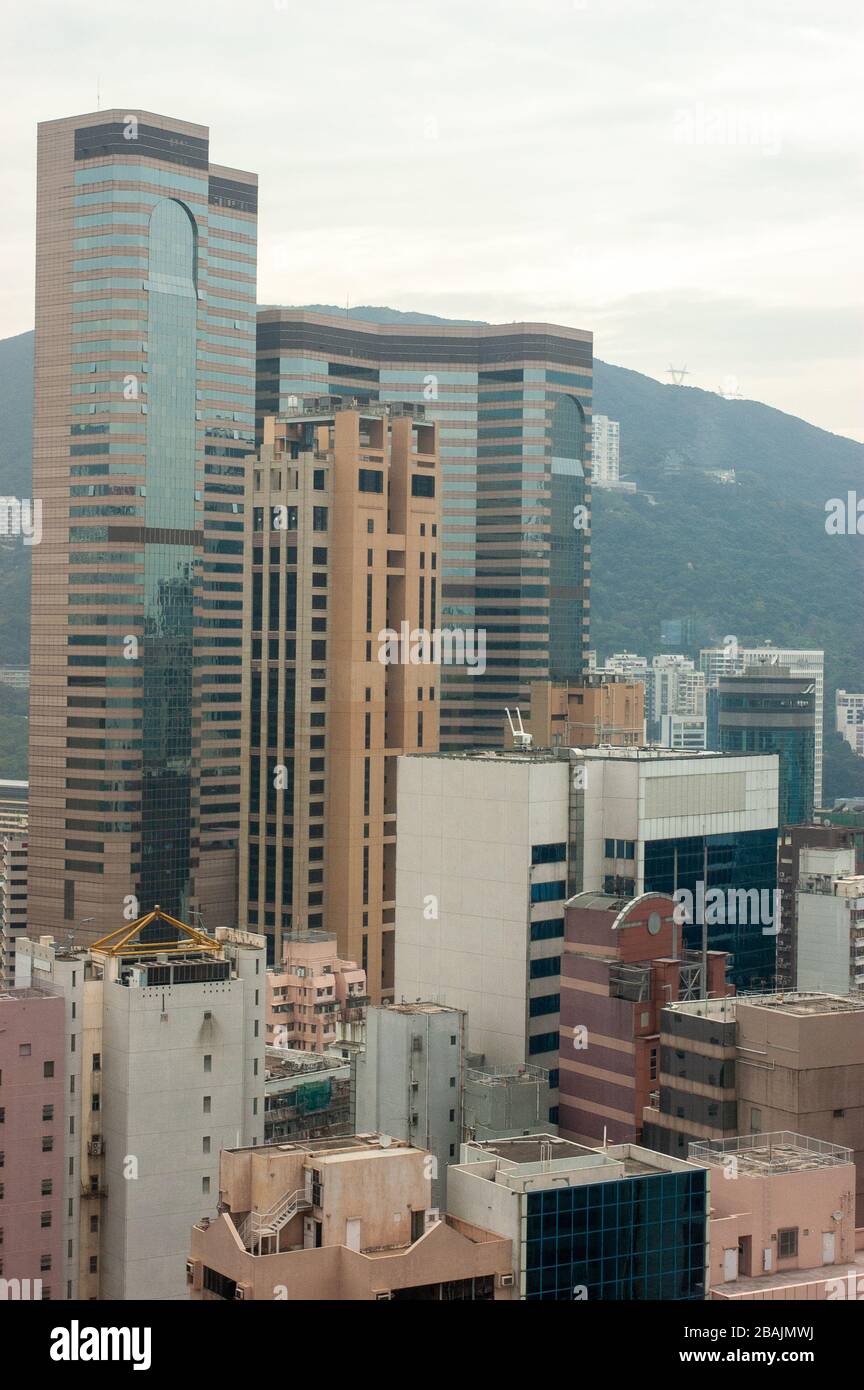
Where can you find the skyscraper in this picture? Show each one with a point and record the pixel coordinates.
(768, 710)
(513, 405)
(145, 316)
(342, 529)
(731, 659)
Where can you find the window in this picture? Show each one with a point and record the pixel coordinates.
(47, 1187)
(48, 1068)
(205, 1184)
(94, 1225)
(549, 965)
(208, 1062)
(45, 1219)
(545, 1004)
(547, 929)
(422, 486)
(755, 1121)
(609, 849)
(319, 518)
(207, 1105)
(548, 854)
(24, 1049)
(543, 1042)
(787, 1243)
(97, 1061)
(47, 1143)
(205, 1144)
(94, 1264)
(44, 1263)
(371, 480)
(547, 892)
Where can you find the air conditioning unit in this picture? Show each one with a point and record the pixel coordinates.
(240, 1291)
(416, 1043)
(507, 1281)
(383, 1297)
(190, 1271)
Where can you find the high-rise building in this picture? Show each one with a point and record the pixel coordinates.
(674, 687)
(13, 805)
(144, 416)
(627, 664)
(665, 821)
(491, 845)
(829, 922)
(340, 1219)
(732, 659)
(409, 1081)
(684, 731)
(623, 963)
(33, 1086)
(164, 1056)
(794, 842)
(341, 573)
(849, 714)
(617, 1223)
(513, 406)
(606, 453)
(768, 710)
(480, 887)
(13, 901)
(312, 992)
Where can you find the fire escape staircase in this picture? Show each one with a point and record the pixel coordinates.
(261, 1226)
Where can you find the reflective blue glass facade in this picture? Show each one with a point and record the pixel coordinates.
(640, 1239)
(744, 859)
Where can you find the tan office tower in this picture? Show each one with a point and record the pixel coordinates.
(341, 569)
(144, 413)
(513, 406)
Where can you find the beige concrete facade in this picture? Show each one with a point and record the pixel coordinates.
(583, 715)
(342, 549)
(337, 1220)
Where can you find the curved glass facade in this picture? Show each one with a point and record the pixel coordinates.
(168, 657)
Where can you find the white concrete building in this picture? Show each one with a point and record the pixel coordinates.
(605, 450)
(675, 687)
(491, 845)
(628, 664)
(732, 660)
(686, 732)
(849, 714)
(409, 1081)
(481, 875)
(829, 922)
(165, 1055)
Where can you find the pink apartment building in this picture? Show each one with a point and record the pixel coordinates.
(312, 992)
(32, 1128)
(782, 1221)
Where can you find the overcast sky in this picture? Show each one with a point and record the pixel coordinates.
(680, 176)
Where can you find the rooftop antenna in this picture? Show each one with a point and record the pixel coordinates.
(677, 374)
(98, 94)
(521, 739)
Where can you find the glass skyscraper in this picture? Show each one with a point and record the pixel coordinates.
(144, 419)
(768, 710)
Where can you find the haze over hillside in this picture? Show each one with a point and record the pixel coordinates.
(751, 557)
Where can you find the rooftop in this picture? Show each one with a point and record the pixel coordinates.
(804, 1003)
(420, 1006)
(760, 1155)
